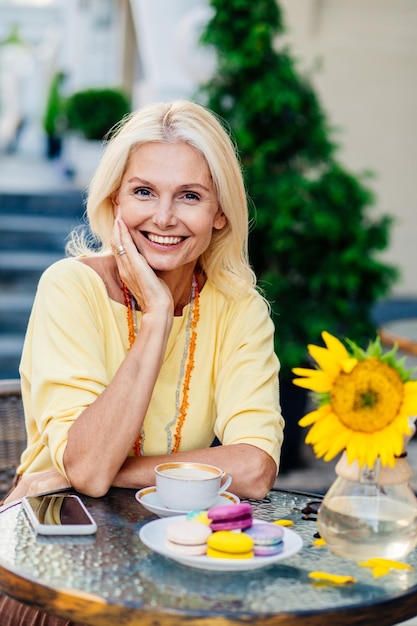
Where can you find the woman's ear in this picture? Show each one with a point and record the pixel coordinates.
(115, 204)
(220, 220)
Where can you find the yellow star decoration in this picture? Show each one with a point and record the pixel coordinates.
(381, 567)
(365, 400)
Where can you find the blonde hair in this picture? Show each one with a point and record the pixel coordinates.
(225, 261)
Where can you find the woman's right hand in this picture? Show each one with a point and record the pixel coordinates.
(150, 292)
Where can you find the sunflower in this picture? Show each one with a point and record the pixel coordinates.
(365, 399)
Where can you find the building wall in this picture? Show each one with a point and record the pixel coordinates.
(25, 69)
(360, 54)
(167, 35)
(81, 38)
(362, 58)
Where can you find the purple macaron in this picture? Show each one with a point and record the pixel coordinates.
(268, 538)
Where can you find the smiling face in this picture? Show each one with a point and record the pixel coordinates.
(169, 204)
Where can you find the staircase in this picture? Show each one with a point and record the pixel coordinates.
(33, 232)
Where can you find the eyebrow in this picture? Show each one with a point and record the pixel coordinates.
(136, 179)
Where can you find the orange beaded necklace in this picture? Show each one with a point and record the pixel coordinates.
(186, 368)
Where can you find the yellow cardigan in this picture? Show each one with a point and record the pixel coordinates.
(77, 337)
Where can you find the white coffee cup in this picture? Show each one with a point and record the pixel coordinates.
(186, 486)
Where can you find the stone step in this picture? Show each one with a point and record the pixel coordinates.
(14, 312)
(24, 232)
(10, 351)
(33, 232)
(20, 271)
(65, 203)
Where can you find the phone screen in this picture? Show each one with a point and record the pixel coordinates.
(59, 513)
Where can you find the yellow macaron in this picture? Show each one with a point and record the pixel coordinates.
(225, 544)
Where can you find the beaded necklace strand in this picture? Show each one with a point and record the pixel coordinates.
(186, 368)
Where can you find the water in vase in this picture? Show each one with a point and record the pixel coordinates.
(362, 527)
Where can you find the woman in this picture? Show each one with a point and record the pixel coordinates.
(158, 341)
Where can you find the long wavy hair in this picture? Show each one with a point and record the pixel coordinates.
(225, 261)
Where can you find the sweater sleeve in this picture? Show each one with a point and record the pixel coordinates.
(247, 390)
(65, 357)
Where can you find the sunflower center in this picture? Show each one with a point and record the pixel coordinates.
(369, 397)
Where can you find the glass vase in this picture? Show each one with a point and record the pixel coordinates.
(369, 513)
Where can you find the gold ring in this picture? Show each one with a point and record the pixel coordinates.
(120, 250)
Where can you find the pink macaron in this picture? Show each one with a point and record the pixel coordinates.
(230, 517)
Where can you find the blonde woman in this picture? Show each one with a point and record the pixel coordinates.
(153, 340)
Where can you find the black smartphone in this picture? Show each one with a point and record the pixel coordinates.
(59, 515)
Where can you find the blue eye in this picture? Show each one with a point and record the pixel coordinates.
(142, 192)
(190, 195)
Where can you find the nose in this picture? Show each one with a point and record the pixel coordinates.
(164, 214)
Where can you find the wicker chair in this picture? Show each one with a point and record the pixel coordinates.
(12, 432)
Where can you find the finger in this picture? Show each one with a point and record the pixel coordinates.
(120, 250)
(122, 241)
(116, 243)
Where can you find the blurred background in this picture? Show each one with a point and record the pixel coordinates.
(69, 69)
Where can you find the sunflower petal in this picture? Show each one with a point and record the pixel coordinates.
(318, 543)
(315, 380)
(410, 398)
(388, 562)
(314, 416)
(348, 365)
(380, 570)
(335, 346)
(325, 360)
(283, 522)
(357, 447)
(303, 371)
(381, 567)
(322, 432)
(338, 443)
(336, 579)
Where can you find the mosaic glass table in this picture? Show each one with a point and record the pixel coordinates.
(113, 578)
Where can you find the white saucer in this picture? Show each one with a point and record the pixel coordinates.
(153, 535)
(148, 497)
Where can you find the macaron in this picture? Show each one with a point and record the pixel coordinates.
(198, 516)
(226, 544)
(187, 537)
(230, 517)
(268, 538)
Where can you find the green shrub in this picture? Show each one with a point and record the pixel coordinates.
(93, 112)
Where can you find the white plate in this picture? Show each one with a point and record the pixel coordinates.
(153, 534)
(148, 497)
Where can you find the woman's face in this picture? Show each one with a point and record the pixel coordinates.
(168, 202)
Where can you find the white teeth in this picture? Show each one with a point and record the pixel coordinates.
(164, 240)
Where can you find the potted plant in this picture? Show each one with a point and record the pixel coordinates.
(91, 114)
(55, 120)
(314, 244)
